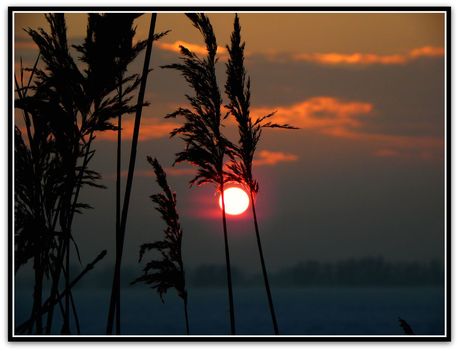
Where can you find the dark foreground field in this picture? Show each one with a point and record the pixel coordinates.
(301, 311)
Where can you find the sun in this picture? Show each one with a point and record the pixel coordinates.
(236, 201)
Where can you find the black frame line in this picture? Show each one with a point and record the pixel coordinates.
(261, 338)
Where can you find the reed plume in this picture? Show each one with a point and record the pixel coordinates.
(167, 272)
(237, 89)
(205, 145)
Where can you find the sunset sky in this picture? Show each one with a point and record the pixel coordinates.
(364, 176)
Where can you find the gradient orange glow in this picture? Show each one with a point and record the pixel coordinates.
(236, 201)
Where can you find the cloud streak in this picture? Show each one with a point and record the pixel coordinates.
(319, 113)
(149, 173)
(150, 128)
(196, 48)
(329, 58)
(25, 44)
(349, 120)
(272, 158)
(178, 172)
(357, 58)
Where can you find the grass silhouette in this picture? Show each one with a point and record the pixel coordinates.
(115, 292)
(116, 31)
(237, 89)
(63, 114)
(205, 145)
(168, 272)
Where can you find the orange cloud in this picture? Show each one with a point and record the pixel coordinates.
(271, 158)
(197, 49)
(319, 113)
(150, 128)
(25, 45)
(370, 59)
(427, 51)
(345, 119)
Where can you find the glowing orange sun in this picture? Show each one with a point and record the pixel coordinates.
(236, 201)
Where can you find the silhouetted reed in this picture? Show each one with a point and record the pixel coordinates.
(115, 299)
(66, 110)
(405, 326)
(237, 89)
(205, 146)
(167, 272)
(116, 32)
(49, 303)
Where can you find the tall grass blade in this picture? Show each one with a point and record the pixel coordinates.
(115, 293)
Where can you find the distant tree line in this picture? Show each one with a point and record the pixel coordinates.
(369, 271)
